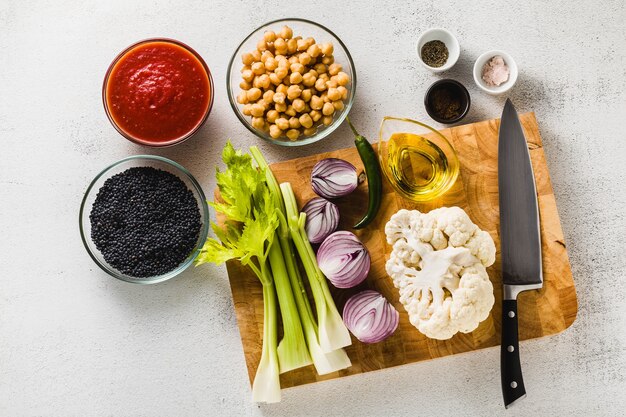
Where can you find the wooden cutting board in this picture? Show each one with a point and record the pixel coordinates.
(541, 313)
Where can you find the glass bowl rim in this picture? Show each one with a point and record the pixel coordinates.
(201, 239)
(439, 134)
(170, 142)
(311, 139)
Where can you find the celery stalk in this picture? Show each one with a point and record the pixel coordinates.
(266, 385)
(292, 349)
(332, 332)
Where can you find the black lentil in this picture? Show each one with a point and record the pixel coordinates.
(145, 221)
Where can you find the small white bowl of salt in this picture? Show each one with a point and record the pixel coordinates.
(495, 72)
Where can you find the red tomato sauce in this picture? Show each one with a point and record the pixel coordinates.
(158, 92)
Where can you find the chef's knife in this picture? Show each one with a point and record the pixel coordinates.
(520, 243)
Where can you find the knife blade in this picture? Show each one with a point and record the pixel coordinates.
(520, 242)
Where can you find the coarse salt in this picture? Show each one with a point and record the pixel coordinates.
(495, 71)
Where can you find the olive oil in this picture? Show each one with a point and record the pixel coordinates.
(418, 168)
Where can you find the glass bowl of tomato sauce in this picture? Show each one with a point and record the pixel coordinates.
(158, 92)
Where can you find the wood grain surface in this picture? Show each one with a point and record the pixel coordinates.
(541, 313)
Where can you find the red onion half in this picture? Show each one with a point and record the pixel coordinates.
(343, 259)
(332, 178)
(322, 218)
(370, 317)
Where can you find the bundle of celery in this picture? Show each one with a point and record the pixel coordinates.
(262, 228)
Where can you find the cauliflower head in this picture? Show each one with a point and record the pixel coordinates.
(438, 263)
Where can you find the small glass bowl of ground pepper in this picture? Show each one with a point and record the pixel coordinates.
(144, 219)
(447, 101)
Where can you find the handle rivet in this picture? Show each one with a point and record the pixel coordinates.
(510, 348)
(513, 384)
(511, 314)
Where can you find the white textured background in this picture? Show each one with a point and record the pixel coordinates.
(75, 342)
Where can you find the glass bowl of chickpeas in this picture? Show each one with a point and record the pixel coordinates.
(291, 82)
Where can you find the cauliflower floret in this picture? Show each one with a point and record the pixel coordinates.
(438, 264)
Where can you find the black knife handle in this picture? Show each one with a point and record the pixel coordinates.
(510, 366)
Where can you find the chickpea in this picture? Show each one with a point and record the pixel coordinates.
(290, 111)
(315, 115)
(274, 79)
(266, 55)
(333, 94)
(256, 55)
(309, 41)
(278, 97)
(286, 32)
(302, 46)
(282, 88)
(281, 72)
(280, 107)
(334, 69)
(293, 59)
(342, 78)
(245, 85)
(247, 58)
(314, 50)
(328, 109)
(338, 105)
(324, 77)
(257, 110)
(275, 131)
(292, 46)
(298, 104)
(309, 131)
(286, 81)
(271, 64)
(269, 36)
(258, 68)
(293, 134)
(304, 58)
(327, 120)
(253, 94)
(282, 123)
(256, 83)
(247, 75)
(242, 98)
(297, 67)
(316, 103)
(331, 84)
(295, 78)
(293, 92)
(258, 122)
(306, 94)
(325, 98)
(261, 45)
(271, 116)
(268, 97)
(320, 68)
(307, 108)
(280, 46)
(246, 109)
(327, 60)
(344, 92)
(320, 84)
(327, 48)
(308, 79)
(283, 63)
(305, 120)
(294, 123)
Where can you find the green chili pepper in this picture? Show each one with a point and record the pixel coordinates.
(374, 179)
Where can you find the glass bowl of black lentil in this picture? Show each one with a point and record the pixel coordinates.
(144, 219)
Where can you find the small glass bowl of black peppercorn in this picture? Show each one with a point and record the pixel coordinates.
(447, 101)
(144, 219)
